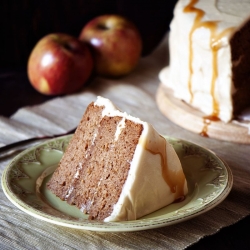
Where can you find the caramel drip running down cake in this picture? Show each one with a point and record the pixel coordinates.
(117, 167)
(209, 45)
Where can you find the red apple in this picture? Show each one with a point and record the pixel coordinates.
(59, 64)
(116, 44)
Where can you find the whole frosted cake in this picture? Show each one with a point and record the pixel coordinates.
(117, 167)
(209, 46)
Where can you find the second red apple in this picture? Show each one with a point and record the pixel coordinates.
(116, 44)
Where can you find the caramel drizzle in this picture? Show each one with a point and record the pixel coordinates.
(215, 46)
(175, 180)
(206, 122)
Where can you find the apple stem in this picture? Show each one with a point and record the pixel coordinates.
(102, 27)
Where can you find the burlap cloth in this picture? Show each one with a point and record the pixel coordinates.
(134, 94)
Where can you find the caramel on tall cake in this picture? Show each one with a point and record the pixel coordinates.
(209, 46)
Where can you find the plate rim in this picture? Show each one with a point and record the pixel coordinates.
(137, 225)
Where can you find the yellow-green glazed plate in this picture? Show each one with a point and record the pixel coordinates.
(24, 183)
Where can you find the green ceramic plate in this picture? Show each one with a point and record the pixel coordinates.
(24, 183)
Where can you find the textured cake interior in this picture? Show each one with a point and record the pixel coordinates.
(91, 175)
(240, 51)
(62, 180)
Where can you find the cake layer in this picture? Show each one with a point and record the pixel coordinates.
(103, 176)
(78, 149)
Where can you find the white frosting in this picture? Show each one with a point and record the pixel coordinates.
(145, 189)
(178, 75)
(111, 110)
(120, 126)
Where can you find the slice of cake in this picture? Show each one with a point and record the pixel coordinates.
(209, 46)
(117, 167)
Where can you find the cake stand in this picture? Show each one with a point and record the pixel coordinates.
(182, 114)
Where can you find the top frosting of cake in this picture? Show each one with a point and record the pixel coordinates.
(200, 70)
(155, 178)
